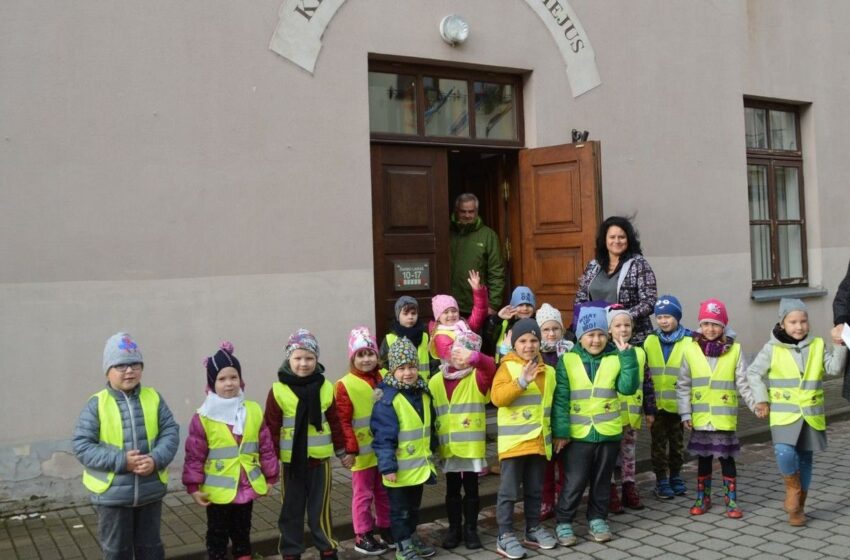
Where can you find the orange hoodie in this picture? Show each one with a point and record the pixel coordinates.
(506, 390)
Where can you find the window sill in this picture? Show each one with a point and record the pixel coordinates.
(775, 294)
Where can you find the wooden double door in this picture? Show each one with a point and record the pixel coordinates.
(544, 203)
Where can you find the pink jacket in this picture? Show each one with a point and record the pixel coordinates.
(196, 455)
(480, 303)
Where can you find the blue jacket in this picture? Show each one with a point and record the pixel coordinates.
(384, 426)
(127, 489)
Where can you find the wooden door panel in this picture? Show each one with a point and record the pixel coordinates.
(560, 210)
(410, 222)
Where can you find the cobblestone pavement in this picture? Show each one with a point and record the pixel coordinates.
(70, 533)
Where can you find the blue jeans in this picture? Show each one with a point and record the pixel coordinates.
(405, 502)
(126, 533)
(790, 460)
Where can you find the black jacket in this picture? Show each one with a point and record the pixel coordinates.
(841, 314)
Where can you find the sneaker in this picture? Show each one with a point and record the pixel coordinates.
(599, 530)
(386, 537)
(678, 485)
(406, 551)
(539, 537)
(663, 491)
(422, 549)
(565, 535)
(367, 544)
(508, 546)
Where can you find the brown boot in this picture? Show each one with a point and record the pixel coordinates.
(792, 500)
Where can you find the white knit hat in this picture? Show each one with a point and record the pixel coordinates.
(548, 313)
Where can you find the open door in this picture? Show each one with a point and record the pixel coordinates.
(560, 210)
(410, 220)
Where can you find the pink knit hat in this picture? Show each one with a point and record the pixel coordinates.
(361, 339)
(441, 302)
(713, 311)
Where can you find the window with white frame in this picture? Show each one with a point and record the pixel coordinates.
(775, 187)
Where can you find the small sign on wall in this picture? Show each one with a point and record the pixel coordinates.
(412, 275)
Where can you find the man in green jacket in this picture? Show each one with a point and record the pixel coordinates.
(474, 246)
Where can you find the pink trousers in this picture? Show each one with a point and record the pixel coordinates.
(367, 489)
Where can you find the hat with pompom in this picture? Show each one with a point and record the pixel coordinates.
(222, 359)
(361, 339)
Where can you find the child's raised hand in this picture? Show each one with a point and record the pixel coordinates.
(622, 344)
(529, 371)
(200, 498)
(461, 355)
(762, 410)
(507, 312)
(391, 477)
(474, 280)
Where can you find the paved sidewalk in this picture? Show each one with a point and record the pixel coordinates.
(70, 533)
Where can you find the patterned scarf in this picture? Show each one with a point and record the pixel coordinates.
(418, 386)
(714, 348)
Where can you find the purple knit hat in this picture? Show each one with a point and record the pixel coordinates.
(220, 360)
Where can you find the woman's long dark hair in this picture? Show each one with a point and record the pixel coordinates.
(631, 238)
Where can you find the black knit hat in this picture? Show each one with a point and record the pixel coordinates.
(222, 359)
(524, 326)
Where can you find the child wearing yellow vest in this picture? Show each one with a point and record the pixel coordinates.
(712, 369)
(587, 422)
(664, 349)
(522, 390)
(461, 391)
(632, 407)
(448, 322)
(354, 403)
(787, 383)
(402, 423)
(230, 458)
(125, 468)
(407, 325)
(306, 432)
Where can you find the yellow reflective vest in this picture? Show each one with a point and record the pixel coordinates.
(529, 415)
(440, 330)
(631, 406)
(413, 453)
(462, 422)
(226, 459)
(499, 339)
(793, 393)
(664, 374)
(714, 397)
(112, 433)
(593, 404)
(319, 444)
(360, 393)
(422, 352)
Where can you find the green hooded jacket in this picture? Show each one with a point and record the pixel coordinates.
(627, 383)
(476, 247)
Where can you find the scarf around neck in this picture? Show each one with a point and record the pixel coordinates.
(450, 373)
(783, 337)
(413, 334)
(308, 412)
(714, 348)
(672, 337)
(418, 386)
(228, 411)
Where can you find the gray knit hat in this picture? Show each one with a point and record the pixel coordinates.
(403, 301)
(787, 305)
(121, 349)
(524, 326)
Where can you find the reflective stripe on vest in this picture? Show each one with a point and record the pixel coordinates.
(112, 433)
(422, 352)
(793, 395)
(319, 444)
(462, 423)
(360, 392)
(593, 404)
(664, 374)
(226, 459)
(502, 333)
(529, 415)
(714, 398)
(413, 453)
(631, 406)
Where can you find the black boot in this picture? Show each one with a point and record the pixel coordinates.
(453, 509)
(471, 507)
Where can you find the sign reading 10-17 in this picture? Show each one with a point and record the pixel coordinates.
(412, 275)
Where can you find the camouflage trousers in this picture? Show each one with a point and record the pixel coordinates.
(668, 446)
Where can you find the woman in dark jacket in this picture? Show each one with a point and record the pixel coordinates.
(620, 274)
(841, 314)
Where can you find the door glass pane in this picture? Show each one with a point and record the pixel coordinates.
(760, 252)
(392, 103)
(494, 111)
(757, 183)
(787, 193)
(756, 127)
(446, 103)
(790, 242)
(783, 131)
